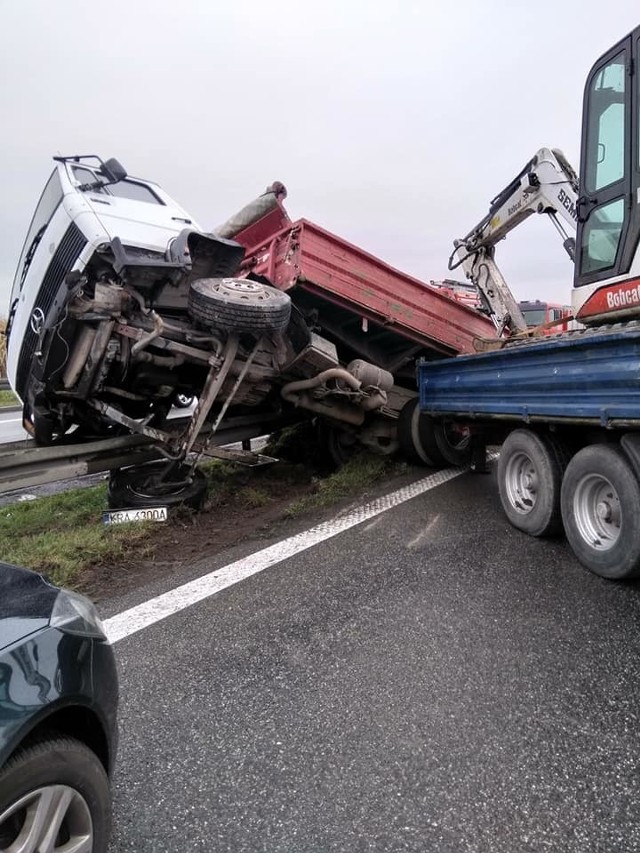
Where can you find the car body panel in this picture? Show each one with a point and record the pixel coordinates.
(46, 671)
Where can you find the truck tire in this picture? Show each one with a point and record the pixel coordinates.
(452, 441)
(600, 500)
(416, 436)
(238, 305)
(140, 487)
(337, 446)
(530, 472)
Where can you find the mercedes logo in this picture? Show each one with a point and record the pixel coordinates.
(37, 321)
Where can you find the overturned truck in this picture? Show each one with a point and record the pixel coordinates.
(121, 303)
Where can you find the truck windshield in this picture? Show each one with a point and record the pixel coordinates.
(535, 316)
(47, 206)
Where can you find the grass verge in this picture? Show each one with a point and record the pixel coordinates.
(63, 536)
(8, 398)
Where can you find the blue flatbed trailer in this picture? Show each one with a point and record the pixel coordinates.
(566, 411)
(586, 377)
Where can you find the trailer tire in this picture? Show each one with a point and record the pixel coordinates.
(416, 436)
(529, 480)
(600, 499)
(138, 487)
(238, 305)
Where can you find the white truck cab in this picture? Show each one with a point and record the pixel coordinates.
(108, 260)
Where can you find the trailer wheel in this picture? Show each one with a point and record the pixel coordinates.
(238, 305)
(144, 486)
(529, 480)
(600, 499)
(416, 436)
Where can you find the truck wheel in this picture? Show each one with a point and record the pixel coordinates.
(337, 446)
(142, 486)
(600, 500)
(239, 305)
(416, 436)
(62, 782)
(452, 441)
(529, 480)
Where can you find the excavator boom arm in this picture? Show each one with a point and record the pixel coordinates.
(547, 184)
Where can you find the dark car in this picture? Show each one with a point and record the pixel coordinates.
(58, 729)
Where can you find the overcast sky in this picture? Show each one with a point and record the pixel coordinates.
(392, 124)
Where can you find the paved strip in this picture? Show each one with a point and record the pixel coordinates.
(149, 612)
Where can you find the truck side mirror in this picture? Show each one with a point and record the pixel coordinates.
(113, 171)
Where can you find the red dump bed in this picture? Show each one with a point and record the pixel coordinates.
(308, 261)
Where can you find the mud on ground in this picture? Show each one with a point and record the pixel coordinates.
(244, 506)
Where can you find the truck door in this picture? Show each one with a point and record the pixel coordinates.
(608, 214)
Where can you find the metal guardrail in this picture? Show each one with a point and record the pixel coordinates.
(23, 465)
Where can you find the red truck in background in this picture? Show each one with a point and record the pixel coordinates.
(540, 313)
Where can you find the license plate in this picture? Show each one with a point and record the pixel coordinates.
(122, 516)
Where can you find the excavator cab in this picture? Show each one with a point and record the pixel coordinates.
(607, 270)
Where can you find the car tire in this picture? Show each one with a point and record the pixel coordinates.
(600, 499)
(239, 305)
(64, 769)
(140, 487)
(530, 472)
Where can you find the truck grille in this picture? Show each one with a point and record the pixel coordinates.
(62, 261)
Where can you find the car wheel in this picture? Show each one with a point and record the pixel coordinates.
(239, 305)
(146, 486)
(600, 499)
(54, 796)
(530, 472)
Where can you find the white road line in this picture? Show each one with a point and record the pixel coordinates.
(136, 618)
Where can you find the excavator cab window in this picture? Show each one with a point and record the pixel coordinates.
(608, 222)
(605, 169)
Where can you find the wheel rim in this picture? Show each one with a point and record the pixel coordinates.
(521, 483)
(596, 508)
(52, 818)
(244, 289)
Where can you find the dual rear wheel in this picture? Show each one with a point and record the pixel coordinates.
(435, 443)
(594, 495)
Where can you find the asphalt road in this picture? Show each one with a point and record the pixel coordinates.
(430, 680)
(11, 425)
